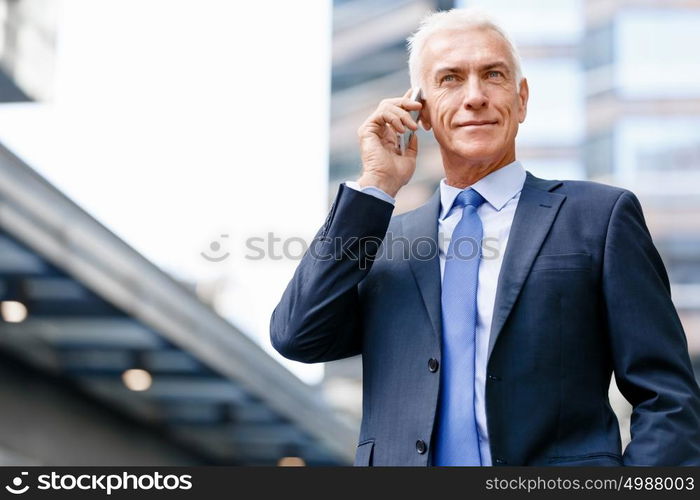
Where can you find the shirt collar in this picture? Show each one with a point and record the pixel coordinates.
(497, 188)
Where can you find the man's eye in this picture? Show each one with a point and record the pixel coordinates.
(447, 78)
(494, 72)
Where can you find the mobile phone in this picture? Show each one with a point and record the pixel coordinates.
(405, 138)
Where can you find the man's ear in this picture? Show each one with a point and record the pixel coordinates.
(424, 118)
(523, 96)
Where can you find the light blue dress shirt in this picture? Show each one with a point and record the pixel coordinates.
(501, 189)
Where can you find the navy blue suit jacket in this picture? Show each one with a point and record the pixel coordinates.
(582, 293)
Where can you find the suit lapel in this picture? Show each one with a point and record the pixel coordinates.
(536, 211)
(421, 225)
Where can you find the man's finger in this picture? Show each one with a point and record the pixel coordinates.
(390, 114)
(394, 120)
(412, 105)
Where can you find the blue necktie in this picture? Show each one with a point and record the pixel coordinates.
(457, 441)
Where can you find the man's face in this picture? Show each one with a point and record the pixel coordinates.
(469, 76)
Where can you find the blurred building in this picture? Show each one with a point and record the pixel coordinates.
(105, 359)
(614, 97)
(643, 126)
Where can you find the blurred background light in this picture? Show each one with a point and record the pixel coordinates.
(137, 379)
(13, 311)
(291, 462)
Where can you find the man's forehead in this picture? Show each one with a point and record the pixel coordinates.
(474, 47)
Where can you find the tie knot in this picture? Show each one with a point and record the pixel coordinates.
(469, 197)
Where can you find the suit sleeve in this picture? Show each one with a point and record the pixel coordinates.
(649, 348)
(319, 317)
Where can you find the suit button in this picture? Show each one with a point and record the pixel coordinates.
(494, 377)
(433, 365)
(499, 461)
(421, 447)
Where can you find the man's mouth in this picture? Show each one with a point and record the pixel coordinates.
(477, 123)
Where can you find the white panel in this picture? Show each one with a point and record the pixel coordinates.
(657, 53)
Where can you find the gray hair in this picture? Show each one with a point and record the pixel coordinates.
(454, 19)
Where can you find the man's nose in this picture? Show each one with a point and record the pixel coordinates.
(474, 95)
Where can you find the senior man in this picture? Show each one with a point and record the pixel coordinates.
(490, 358)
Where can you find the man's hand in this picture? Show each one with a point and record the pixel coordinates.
(383, 165)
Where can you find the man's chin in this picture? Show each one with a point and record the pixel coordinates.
(474, 152)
